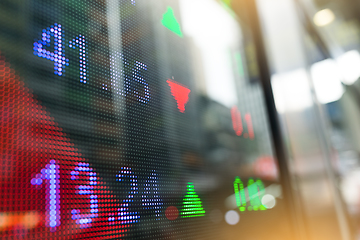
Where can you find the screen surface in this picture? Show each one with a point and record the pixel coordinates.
(132, 119)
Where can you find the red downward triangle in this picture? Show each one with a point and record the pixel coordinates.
(180, 93)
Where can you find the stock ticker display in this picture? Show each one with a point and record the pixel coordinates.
(131, 119)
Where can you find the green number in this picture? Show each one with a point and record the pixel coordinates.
(256, 192)
(240, 194)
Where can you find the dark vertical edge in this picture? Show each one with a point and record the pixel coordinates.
(279, 147)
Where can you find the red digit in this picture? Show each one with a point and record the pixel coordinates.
(249, 126)
(236, 120)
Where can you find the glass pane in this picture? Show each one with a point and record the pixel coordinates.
(133, 119)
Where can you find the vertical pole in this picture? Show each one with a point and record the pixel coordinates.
(115, 49)
(321, 121)
(265, 81)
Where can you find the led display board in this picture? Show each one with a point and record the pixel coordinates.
(131, 119)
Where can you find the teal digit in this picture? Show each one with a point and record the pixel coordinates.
(256, 192)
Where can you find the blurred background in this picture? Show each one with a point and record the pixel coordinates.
(210, 119)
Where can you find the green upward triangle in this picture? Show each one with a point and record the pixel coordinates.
(192, 206)
(170, 22)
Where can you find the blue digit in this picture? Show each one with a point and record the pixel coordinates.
(58, 56)
(150, 196)
(80, 42)
(51, 174)
(117, 74)
(84, 174)
(137, 77)
(124, 215)
(128, 87)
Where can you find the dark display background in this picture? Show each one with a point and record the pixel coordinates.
(112, 131)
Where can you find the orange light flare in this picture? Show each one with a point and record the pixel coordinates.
(26, 220)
